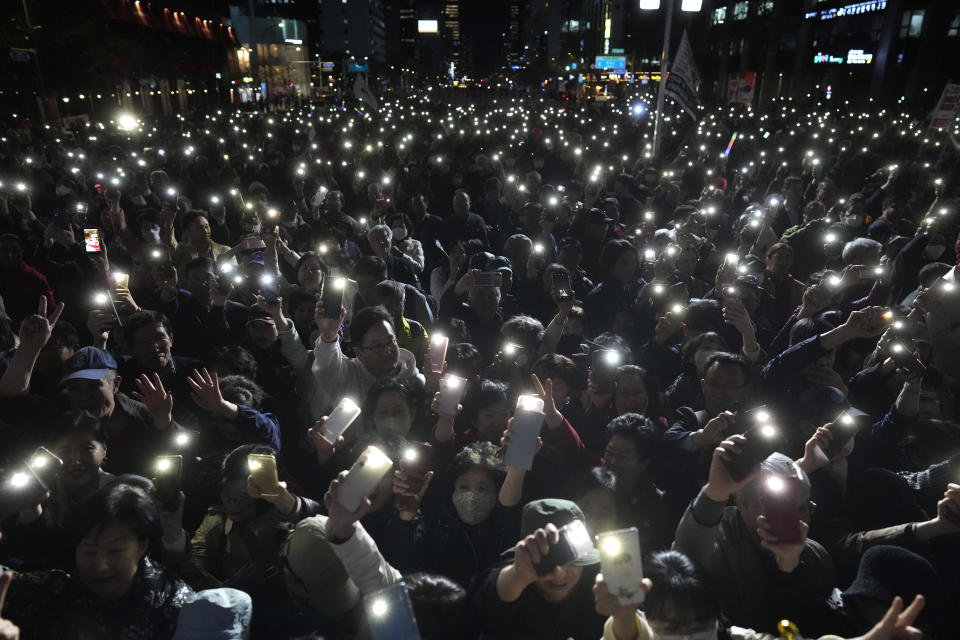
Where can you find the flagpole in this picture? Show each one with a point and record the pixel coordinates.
(664, 62)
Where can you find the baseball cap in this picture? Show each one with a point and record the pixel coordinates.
(261, 316)
(500, 263)
(540, 513)
(89, 363)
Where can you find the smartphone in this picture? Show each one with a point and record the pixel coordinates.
(62, 218)
(763, 437)
(780, 498)
(622, 564)
(263, 472)
(561, 280)
(340, 418)
(452, 389)
(574, 543)
(363, 477)
(731, 296)
(415, 463)
(19, 488)
(91, 240)
(488, 279)
(45, 466)
(252, 243)
(390, 614)
(842, 430)
(527, 423)
(603, 365)
(167, 479)
(121, 279)
(905, 359)
(864, 272)
(437, 353)
(332, 298)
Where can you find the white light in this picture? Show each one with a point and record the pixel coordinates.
(379, 608)
(610, 546)
(182, 439)
(266, 279)
(19, 480)
(340, 283)
(762, 416)
(776, 484)
(100, 298)
(649, 5)
(611, 357)
(126, 122)
(768, 431)
(410, 454)
(163, 464)
(691, 5)
(438, 338)
(39, 462)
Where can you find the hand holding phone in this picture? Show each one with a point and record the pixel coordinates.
(342, 416)
(91, 240)
(263, 473)
(761, 438)
(524, 432)
(363, 477)
(622, 565)
(390, 614)
(574, 543)
(437, 353)
(415, 465)
(167, 479)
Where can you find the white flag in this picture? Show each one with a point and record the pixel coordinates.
(684, 80)
(362, 92)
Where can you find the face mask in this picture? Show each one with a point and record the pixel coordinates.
(474, 507)
(255, 229)
(400, 234)
(393, 426)
(933, 251)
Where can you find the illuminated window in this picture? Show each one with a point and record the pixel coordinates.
(912, 23)
(719, 15)
(764, 7)
(741, 10)
(954, 29)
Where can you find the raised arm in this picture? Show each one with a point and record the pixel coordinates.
(35, 330)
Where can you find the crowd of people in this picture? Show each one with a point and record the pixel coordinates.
(744, 354)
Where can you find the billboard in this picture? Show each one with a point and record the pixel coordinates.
(618, 63)
(427, 26)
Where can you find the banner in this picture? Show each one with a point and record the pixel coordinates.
(362, 92)
(740, 88)
(948, 107)
(684, 80)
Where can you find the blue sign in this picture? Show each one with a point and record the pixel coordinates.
(615, 63)
(358, 67)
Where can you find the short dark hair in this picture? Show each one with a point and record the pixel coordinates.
(483, 394)
(370, 402)
(366, 319)
(236, 359)
(704, 314)
(724, 359)
(615, 342)
(241, 390)
(808, 327)
(528, 330)
(691, 346)
(65, 333)
(235, 466)
(554, 365)
(310, 255)
(595, 478)
(440, 605)
(639, 429)
(203, 262)
(464, 360)
(370, 266)
(485, 455)
(610, 253)
(681, 593)
(300, 296)
(190, 216)
(144, 318)
(125, 501)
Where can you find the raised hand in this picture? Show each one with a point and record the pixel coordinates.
(150, 392)
(329, 327)
(720, 485)
(342, 523)
(206, 391)
(897, 624)
(35, 330)
(787, 554)
(866, 323)
(715, 430)
(552, 415)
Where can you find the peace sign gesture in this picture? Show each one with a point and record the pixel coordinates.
(35, 330)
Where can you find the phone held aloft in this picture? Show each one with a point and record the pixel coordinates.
(25, 486)
(437, 353)
(390, 614)
(622, 565)
(363, 477)
(263, 473)
(527, 423)
(762, 437)
(415, 464)
(167, 479)
(340, 418)
(452, 389)
(574, 543)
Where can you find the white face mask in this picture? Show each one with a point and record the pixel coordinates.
(255, 229)
(151, 234)
(400, 233)
(474, 507)
(933, 251)
(392, 425)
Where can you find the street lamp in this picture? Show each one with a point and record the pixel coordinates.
(652, 5)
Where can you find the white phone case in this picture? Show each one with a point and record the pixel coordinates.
(340, 418)
(622, 564)
(363, 477)
(451, 392)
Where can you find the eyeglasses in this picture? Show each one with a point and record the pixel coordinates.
(379, 346)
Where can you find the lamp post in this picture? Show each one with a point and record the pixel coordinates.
(691, 6)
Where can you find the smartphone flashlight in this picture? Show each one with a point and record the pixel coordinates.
(100, 298)
(611, 357)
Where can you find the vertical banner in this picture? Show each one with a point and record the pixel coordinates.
(683, 82)
(947, 108)
(740, 88)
